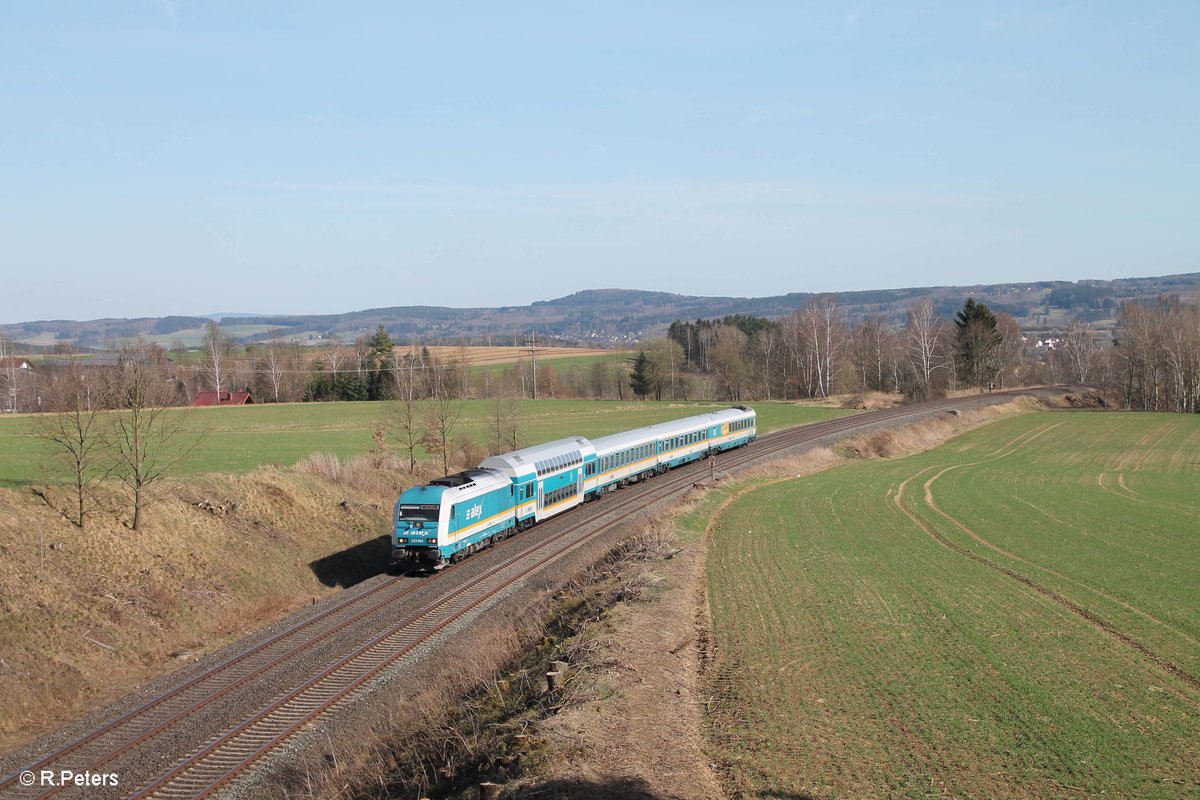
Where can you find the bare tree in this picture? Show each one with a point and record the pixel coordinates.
(728, 359)
(1010, 351)
(274, 362)
(505, 419)
(216, 346)
(362, 356)
(867, 354)
(1079, 350)
(618, 374)
(598, 380)
(766, 342)
(1138, 346)
(336, 357)
(665, 359)
(1180, 340)
(800, 354)
(817, 333)
(12, 376)
(149, 438)
(443, 412)
(405, 415)
(922, 331)
(76, 436)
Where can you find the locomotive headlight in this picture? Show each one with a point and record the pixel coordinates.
(401, 540)
(432, 541)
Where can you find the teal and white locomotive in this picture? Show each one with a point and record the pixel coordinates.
(459, 514)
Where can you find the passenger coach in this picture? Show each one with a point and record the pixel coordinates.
(549, 478)
(627, 457)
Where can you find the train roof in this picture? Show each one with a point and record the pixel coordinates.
(665, 430)
(539, 458)
(461, 484)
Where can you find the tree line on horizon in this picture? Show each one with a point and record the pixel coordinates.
(1152, 360)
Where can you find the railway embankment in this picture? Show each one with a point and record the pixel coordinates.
(228, 545)
(90, 614)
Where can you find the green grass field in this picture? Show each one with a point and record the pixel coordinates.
(1015, 613)
(237, 439)
(193, 337)
(562, 366)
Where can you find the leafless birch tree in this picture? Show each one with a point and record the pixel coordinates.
(922, 332)
(12, 376)
(217, 347)
(1079, 350)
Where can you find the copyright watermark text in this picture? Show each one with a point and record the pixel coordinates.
(67, 777)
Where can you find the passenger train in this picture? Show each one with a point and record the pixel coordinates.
(459, 514)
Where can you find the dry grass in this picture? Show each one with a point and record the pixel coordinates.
(927, 434)
(474, 720)
(86, 615)
(374, 475)
(872, 401)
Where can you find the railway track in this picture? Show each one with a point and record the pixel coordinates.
(402, 614)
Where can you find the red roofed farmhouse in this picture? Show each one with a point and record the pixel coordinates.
(223, 399)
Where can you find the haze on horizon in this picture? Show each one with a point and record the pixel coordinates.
(174, 157)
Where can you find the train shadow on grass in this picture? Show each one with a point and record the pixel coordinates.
(356, 564)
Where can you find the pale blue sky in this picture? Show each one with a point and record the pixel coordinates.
(185, 157)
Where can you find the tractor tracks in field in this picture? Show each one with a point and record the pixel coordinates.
(1084, 613)
(196, 738)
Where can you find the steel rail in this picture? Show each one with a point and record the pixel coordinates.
(210, 673)
(235, 751)
(231, 753)
(655, 491)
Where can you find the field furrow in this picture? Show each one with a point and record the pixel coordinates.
(981, 620)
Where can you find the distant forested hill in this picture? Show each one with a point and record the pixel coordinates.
(610, 316)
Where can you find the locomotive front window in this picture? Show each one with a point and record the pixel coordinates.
(418, 512)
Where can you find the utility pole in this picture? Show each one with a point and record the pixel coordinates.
(531, 346)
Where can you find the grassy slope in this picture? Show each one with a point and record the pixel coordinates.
(107, 609)
(857, 656)
(192, 580)
(238, 439)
